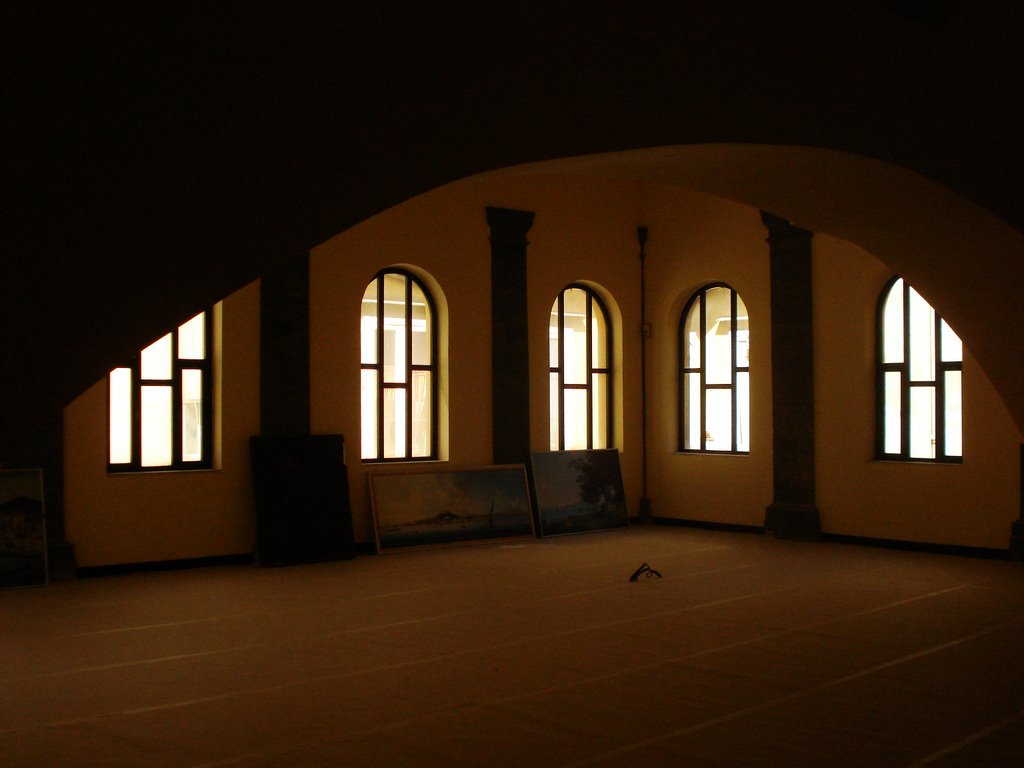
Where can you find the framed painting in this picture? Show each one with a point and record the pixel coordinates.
(579, 491)
(22, 528)
(450, 506)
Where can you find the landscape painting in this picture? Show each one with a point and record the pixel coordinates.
(22, 528)
(579, 491)
(451, 506)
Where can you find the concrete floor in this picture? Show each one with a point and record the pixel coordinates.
(748, 652)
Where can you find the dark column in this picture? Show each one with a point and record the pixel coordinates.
(300, 482)
(510, 347)
(1017, 532)
(792, 513)
(284, 349)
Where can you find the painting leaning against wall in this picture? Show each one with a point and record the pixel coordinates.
(579, 491)
(22, 528)
(473, 504)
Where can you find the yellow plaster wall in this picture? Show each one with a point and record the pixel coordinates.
(695, 239)
(970, 504)
(583, 231)
(143, 517)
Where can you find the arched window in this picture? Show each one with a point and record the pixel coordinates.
(398, 363)
(580, 353)
(714, 381)
(920, 372)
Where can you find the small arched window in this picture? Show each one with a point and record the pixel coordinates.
(398, 363)
(714, 380)
(920, 380)
(580, 353)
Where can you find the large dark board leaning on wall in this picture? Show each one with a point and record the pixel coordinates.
(303, 513)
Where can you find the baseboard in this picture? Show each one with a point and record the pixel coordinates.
(985, 553)
(164, 565)
(707, 525)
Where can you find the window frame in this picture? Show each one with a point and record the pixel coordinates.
(432, 367)
(178, 366)
(699, 298)
(938, 383)
(593, 298)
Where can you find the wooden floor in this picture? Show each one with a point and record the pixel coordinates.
(748, 652)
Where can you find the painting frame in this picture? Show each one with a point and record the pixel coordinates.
(579, 491)
(450, 506)
(23, 550)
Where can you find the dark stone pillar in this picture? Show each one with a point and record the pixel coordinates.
(1017, 531)
(284, 349)
(792, 513)
(510, 347)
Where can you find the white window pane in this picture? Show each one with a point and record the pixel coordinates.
(922, 422)
(952, 347)
(741, 313)
(718, 416)
(574, 368)
(368, 325)
(394, 290)
(718, 354)
(574, 304)
(421, 416)
(892, 325)
(156, 427)
(192, 338)
(742, 343)
(574, 339)
(922, 339)
(156, 359)
(691, 400)
(368, 414)
(743, 411)
(120, 409)
(692, 333)
(598, 337)
(575, 419)
(954, 414)
(421, 321)
(718, 336)
(553, 337)
(394, 423)
(554, 398)
(191, 415)
(893, 435)
(599, 411)
(395, 351)
(394, 354)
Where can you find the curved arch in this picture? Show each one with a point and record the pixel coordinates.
(961, 257)
(590, 373)
(410, 395)
(710, 390)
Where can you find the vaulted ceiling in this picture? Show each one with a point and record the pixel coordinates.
(160, 156)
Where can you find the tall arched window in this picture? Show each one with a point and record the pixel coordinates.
(920, 372)
(580, 353)
(398, 368)
(714, 380)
